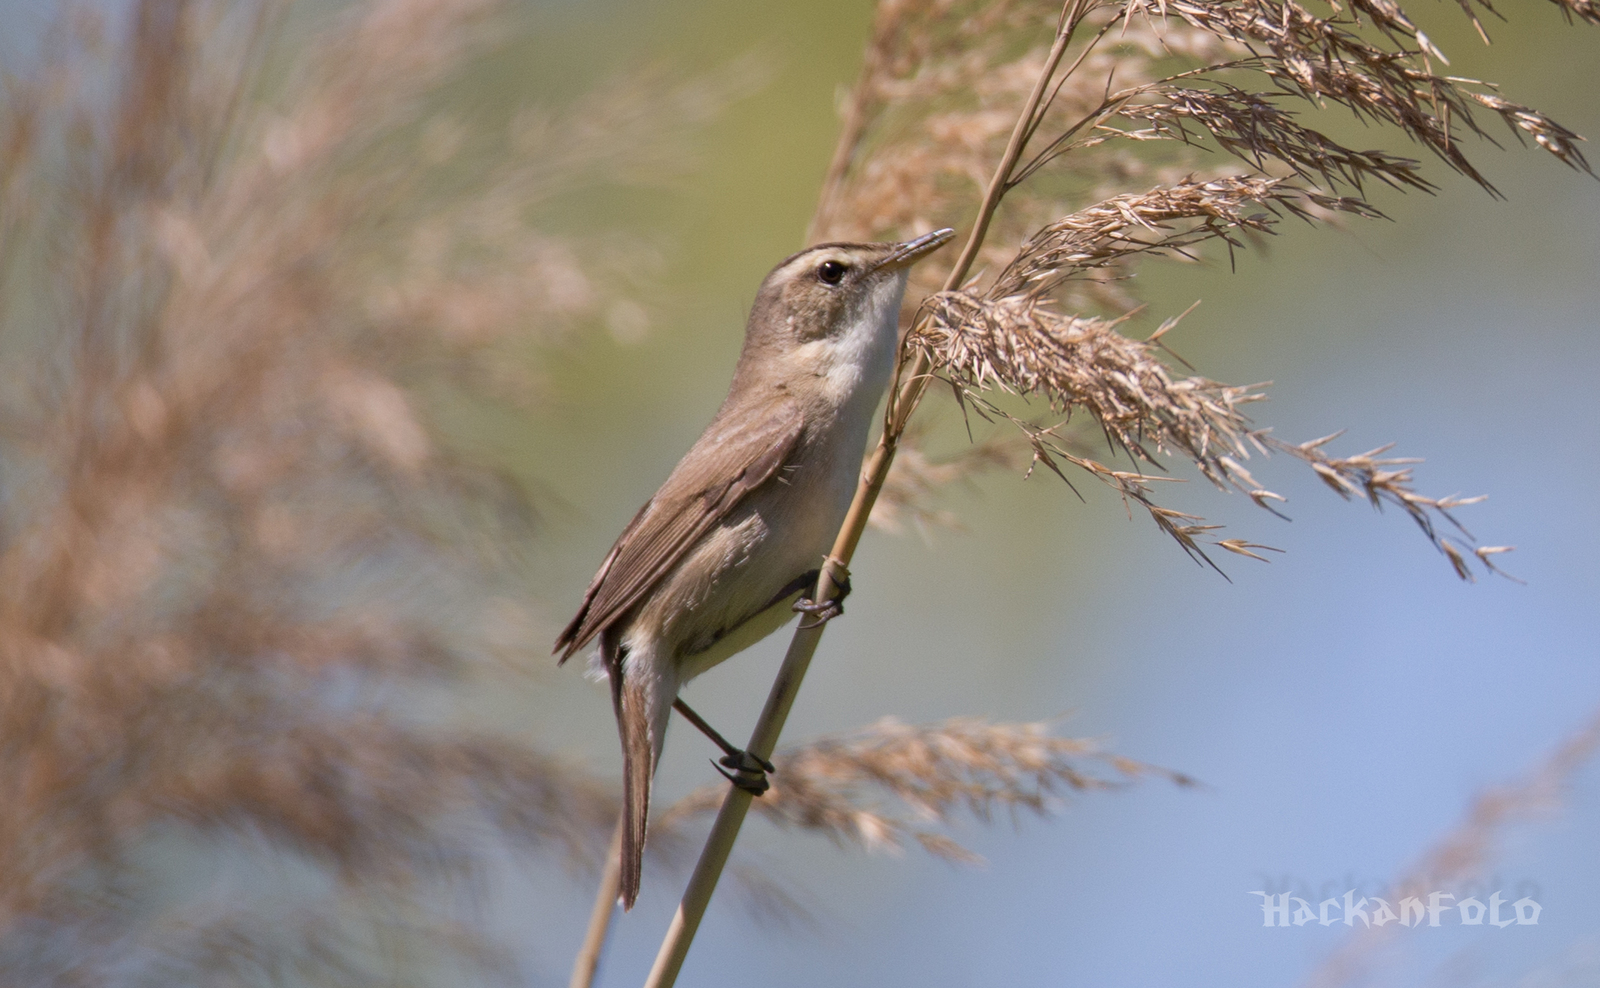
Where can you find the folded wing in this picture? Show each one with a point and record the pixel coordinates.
(730, 460)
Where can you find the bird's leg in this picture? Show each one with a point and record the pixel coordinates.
(749, 770)
(826, 611)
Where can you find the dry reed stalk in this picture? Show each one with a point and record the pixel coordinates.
(1176, 62)
(587, 962)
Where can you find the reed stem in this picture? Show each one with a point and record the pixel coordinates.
(605, 907)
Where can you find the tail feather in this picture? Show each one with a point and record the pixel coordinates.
(642, 690)
(638, 768)
(644, 704)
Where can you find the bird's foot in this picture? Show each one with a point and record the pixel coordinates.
(820, 614)
(749, 771)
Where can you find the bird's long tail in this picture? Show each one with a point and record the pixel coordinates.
(642, 691)
(638, 769)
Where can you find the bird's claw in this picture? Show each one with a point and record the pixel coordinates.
(749, 771)
(820, 614)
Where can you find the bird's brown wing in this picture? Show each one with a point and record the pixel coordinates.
(730, 460)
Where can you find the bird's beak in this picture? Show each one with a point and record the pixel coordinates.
(913, 251)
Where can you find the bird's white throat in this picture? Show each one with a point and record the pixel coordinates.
(860, 358)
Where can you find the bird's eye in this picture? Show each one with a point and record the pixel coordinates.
(830, 272)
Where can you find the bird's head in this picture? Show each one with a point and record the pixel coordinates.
(826, 318)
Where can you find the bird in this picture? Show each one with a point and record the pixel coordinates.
(722, 555)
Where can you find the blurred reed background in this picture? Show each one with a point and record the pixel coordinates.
(341, 339)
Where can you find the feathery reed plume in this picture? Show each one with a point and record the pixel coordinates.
(1144, 88)
(230, 544)
(834, 785)
(1010, 338)
(1111, 233)
(1017, 344)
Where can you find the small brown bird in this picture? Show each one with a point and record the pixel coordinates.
(719, 558)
